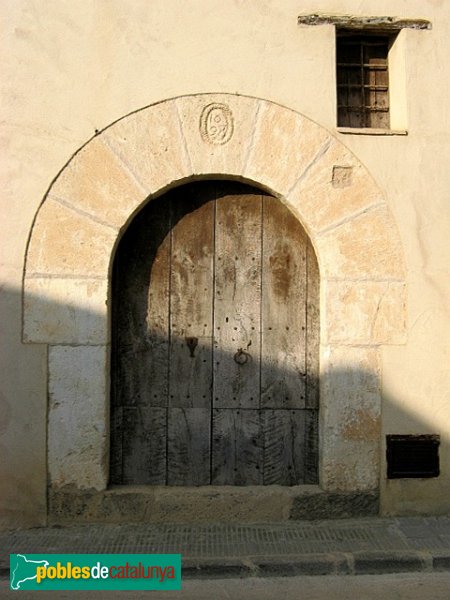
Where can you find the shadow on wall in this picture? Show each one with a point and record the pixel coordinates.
(208, 404)
(274, 442)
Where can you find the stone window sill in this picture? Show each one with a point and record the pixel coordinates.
(370, 131)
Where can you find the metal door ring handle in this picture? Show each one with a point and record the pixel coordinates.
(241, 357)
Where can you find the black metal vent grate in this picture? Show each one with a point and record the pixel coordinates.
(412, 456)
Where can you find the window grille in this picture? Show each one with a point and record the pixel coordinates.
(362, 80)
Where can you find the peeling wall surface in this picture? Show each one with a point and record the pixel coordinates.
(71, 69)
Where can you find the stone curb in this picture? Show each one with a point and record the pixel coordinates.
(358, 563)
(337, 563)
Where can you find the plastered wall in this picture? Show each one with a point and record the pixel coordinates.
(73, 67)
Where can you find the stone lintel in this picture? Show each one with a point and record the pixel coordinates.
(364, 23)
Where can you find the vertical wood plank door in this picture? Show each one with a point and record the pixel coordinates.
(215, 342)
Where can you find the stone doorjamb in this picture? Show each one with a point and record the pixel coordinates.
(90, 204)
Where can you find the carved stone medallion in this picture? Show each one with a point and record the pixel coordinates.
(216, 123)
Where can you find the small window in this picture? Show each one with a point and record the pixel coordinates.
(362, 80)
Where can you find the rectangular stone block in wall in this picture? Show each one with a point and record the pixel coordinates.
(365, 312)
(78, 416)
(65, 311)
(366, 247)
(351, 418)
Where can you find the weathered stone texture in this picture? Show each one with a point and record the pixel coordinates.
(365, 247)
(335, 505)
(211, 504)
(151, 147)
(351, 466)
(160, 504)
(350, 418)
(235, 114)
(96, 182)
(65, 242)
(78, 416)
(365, 312)
(333, 188)
(65, 311)
(285, 144)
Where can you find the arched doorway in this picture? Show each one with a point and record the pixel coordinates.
(215, 342)
(67, 298)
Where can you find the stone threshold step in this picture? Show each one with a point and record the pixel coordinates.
(225, 504)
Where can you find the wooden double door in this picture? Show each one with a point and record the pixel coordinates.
(215, 338)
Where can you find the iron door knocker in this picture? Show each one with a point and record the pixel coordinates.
(241, 357)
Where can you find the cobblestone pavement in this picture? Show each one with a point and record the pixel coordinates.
(347, 546)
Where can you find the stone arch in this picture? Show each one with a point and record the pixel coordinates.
(223, 136)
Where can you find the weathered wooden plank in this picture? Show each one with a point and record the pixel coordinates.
(116, 431)
(237, 298)
(283, 316)
(140, 349)
(157, 318)
(189, 435)
(311, 447)
(284, 446)
(158, 274)
(359, 24)
(141, 310)
(237, 447)
(312, 329)
(191, 297)
(144, 445)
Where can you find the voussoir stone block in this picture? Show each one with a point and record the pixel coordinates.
(150, 145)
(65, 311)
(365, 312)
(77, 417)
(285, 144)
(366, 246)
(65, 242)
(333, 188)
(218, 131)
(96, 182)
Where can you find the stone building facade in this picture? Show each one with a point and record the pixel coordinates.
(338, 116)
